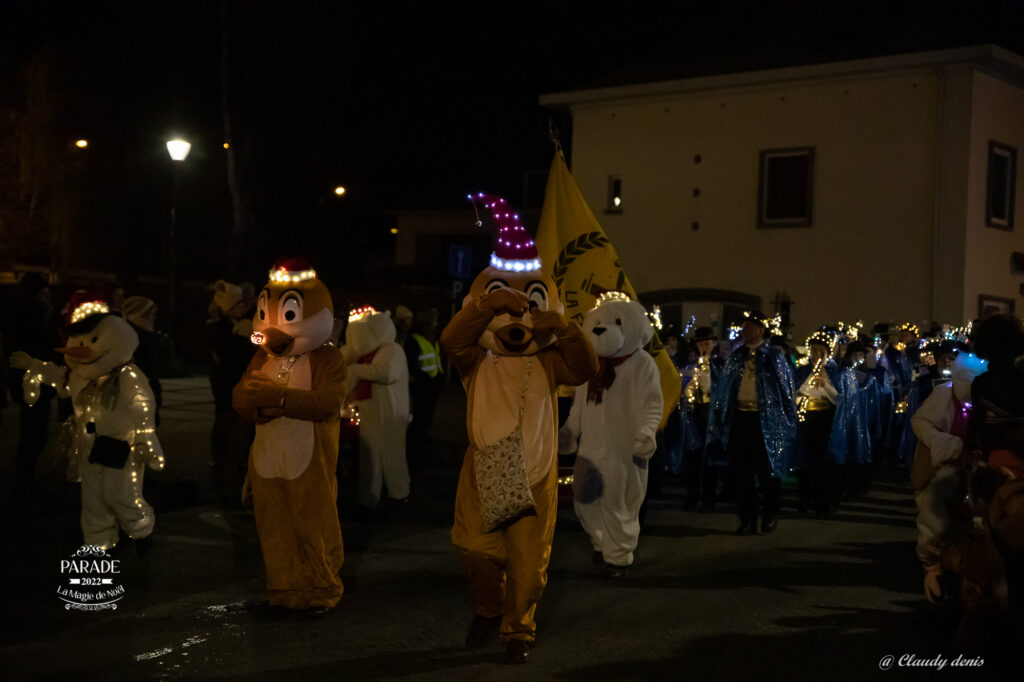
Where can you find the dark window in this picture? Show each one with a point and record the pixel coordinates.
(1002, 176)
(614, 194)
(785, 187)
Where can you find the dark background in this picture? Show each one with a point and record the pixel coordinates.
(408, 105)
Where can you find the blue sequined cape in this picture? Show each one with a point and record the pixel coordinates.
(775, 400)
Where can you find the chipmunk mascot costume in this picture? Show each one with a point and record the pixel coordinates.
(293, 389)
(615, 416)
(513, 347)
(114, 432)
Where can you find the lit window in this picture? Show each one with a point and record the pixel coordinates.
(785, 187)
(614, 194)
(1002, 177)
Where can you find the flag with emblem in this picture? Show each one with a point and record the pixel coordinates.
(581, 259)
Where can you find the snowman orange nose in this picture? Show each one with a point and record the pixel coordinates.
(81, 352)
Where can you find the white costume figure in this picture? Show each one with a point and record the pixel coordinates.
(378, 384)
(615, 416)
(940, 424)
(114, 428)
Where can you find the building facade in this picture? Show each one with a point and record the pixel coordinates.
(877, 189)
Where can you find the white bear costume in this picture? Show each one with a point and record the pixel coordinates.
(935, 424)
(378, 384)
(112, 402)
(615, 417)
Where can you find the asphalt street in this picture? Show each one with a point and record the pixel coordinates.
(814, 600)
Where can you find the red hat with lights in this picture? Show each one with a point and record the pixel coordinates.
(514, 248)
(84, 310)
(288, 270)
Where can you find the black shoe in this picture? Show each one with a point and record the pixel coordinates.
(768, 525)
(613, 571)
(480, 630)
(143, 545)
(517, 650)
(747, 529)
(597, 558)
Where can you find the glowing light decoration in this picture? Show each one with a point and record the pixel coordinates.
(514, 250)
(689, 325)
(258, 338)
(734, 331)
(357, 314)
(178, 149)
(81, 144)
(88, 308)
(607, 296)
(515, 265)
(285, 276)
(655, 316)
(565, 480)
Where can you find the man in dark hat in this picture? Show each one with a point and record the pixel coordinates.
(752, 423)
(699, 379)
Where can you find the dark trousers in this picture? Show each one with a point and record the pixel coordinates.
(706, 476)
(816, 482)
(749, 459)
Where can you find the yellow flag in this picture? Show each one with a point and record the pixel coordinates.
(582, 261)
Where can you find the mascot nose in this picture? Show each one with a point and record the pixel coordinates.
(80, 352)
(598, 331)
(516, 334)
(276, 340)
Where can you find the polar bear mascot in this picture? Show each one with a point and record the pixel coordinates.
(378, 384)
(615, 417)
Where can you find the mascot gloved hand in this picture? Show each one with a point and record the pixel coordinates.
(615, 416)
(513, 348)
(294, 389)
(114, 430)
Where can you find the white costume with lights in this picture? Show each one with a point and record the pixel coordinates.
(615, 416)
(378, 384)
(111, 399)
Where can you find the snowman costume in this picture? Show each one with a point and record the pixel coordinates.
(114, 430)
(615, 417)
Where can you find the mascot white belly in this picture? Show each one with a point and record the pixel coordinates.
(283, 447)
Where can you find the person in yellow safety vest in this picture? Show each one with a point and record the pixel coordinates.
(426, 376)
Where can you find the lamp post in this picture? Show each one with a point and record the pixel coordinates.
(178, 150)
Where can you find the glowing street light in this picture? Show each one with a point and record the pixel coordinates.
(339, 190)
(178, 149)
(394, 230)
(81, 144)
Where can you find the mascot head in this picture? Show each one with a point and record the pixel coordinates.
(966, 368)
(514, 265)
(294, 313)
(368, 330)
(617, 326)
(98, 342)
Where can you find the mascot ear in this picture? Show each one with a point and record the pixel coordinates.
(388, 313)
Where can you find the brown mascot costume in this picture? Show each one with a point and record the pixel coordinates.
(513, 348)
(293, 389)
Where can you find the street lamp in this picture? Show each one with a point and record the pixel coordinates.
(178, 150)
(339, 190)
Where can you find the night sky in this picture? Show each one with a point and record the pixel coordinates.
(409, 105)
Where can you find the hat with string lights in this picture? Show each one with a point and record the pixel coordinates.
(514, 248)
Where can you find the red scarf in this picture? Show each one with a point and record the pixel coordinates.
(364, 387)
(604, 378)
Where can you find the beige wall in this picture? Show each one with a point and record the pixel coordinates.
(869, 252)
(998, 114)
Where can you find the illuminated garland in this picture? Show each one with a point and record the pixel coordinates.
(515, 265)
(284, 276)
(88, 308)
(357, 314)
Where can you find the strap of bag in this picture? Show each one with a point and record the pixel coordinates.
(526, 385)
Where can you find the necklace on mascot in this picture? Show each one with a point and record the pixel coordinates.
(284, 372)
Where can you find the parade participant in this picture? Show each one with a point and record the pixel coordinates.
(940, 462)
(114, 428)
(615, 416)
(426, 378)
(900, 358)
(752, 424)
(378, 384)
(856, 428)
(699, 380)
(293, 389)
(513, 348)
(816, 410)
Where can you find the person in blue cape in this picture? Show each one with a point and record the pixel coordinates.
(818, 383)
(752, 424)
(850, 444)
(699, 380)
(900, 359)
